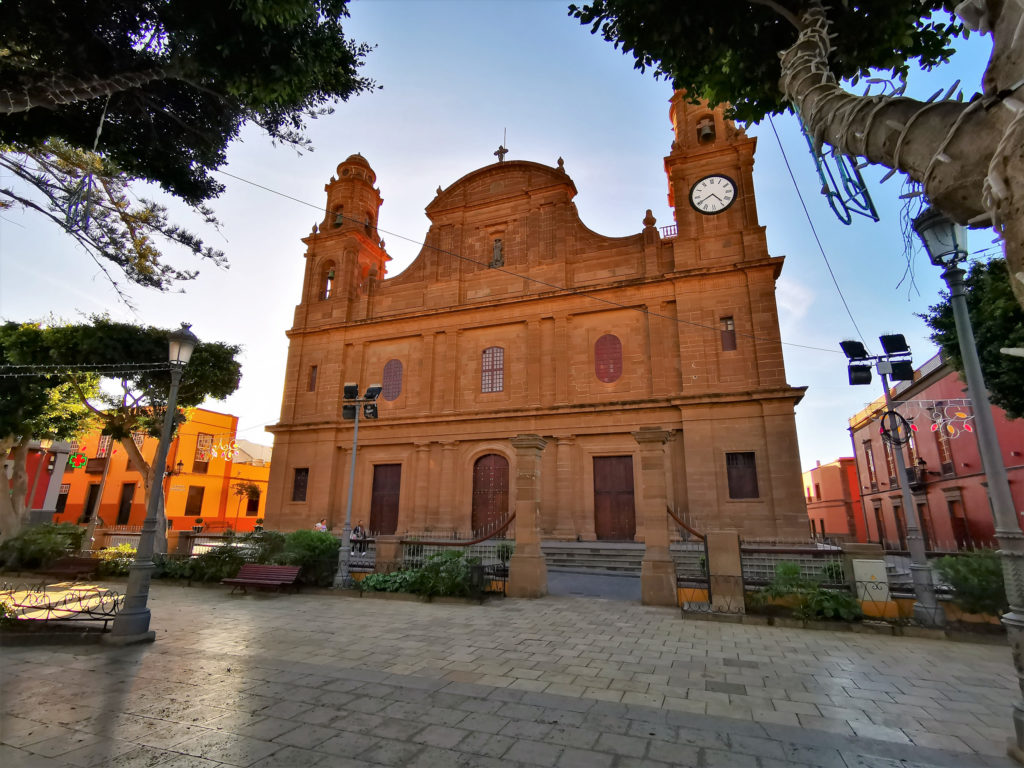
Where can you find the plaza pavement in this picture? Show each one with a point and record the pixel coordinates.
(326, 680)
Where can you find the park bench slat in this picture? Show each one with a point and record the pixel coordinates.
(253, 574)
(73, 566)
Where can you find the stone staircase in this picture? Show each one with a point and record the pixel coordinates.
(622, 557)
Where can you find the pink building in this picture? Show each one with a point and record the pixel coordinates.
(947, 482)
(833, 500)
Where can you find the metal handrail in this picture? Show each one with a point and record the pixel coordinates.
(683, 525)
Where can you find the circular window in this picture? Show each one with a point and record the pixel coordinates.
(391, 381)
(608, 358)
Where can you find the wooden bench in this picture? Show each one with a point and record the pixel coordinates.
(72, 568)
(265, 576)
(61, 604)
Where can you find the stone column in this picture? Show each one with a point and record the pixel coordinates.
(421, 488)
(527, 571)
(565, 514)
(446, 512)
(657, 571)
(725, 572)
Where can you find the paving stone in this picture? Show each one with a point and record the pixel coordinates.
(440, 736)
(491, 745)
(534, 752)
(629, 746)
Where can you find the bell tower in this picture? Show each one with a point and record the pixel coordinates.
(344, 254)
(710, 186)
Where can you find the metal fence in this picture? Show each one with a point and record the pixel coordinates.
(818, 561)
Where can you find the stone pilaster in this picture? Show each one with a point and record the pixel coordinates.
(566, 526)
(527, 570)
(657, 571)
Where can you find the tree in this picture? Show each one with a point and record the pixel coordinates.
(136, 358)
(35, 407)
(766, 56)
(157, 90)
(87, 196)
(170, 83)
(998, 321)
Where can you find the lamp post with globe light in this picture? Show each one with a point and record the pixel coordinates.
(946, 244)
(132, 622)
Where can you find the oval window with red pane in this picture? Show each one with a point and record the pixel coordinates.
(608, 358)
(391, 381)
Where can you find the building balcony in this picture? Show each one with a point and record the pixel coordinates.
(96, 466)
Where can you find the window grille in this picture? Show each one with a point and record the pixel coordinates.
(728, 334)
(742, 472)
(103, 449)
(299, 483)
(608, 358)
(492, 370)
(391, 380)
(204, 448)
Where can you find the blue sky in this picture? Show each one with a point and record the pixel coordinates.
(456, 75)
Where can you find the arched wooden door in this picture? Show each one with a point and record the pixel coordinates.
(490, 491)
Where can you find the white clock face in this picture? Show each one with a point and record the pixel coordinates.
(713, 194)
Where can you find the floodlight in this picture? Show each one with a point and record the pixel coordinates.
(902, 370)
(894, 344)
(372, 392)
(348, 411)
(370, 410)
(854, 350)
(860, 374)
(351, 390)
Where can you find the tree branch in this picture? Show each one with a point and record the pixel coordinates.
(778, 9)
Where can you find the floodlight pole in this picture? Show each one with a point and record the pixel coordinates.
(342, 577)
(926, 608)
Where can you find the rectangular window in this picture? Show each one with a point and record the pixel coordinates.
(742, 473)
(194, 503)
(945, 450)
(890, 464)
(912, 453)
(252, 506)
(138, 438)
(299, 483)
(311, 383)
(728, 334)
(492, 370)
(204, 448)
(103, 449)
(869, 461)
(817, 491)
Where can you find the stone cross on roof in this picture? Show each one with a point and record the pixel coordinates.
(500, 153)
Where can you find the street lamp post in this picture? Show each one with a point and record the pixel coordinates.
(895, 363)
(352, 404)
(945, 243)
(132, 623)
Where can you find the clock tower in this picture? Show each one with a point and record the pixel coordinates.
(711, 188)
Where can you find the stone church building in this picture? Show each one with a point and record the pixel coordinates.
(525, 358)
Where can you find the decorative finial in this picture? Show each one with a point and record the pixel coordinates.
(561, 165)
(439, 190)
(649, 220)
(501, 152)
(315, 230)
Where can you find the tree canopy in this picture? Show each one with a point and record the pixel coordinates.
(727, 52)
(168, 84)
(997, 321)
(763, 56)
(69, 359)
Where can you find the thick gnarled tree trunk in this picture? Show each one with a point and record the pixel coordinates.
(969, 157)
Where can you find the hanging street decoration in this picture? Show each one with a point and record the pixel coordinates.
(950, 417)
(225, 450)
(848, 195)
(77, 460)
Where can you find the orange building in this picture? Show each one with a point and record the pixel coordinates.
(209, 477)
(634, 373)
(833, 500)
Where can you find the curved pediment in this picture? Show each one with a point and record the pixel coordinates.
(501, 181)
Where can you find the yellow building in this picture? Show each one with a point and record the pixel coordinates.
(211, 476)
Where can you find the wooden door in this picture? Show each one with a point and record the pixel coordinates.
(124, 508)
(490, 492)
(387, 481)
(90, 503)
(614, 511)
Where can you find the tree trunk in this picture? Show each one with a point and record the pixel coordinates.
(967, 156)
(57, 91)
(148, 476)
(10, 524)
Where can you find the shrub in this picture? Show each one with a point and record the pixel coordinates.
(170, 567)
(397, 581)
(445, 574)
(315, 551)
(505, 550)
(220, 563)
(977, 581)
(809, 599)
(115, 561)
(40, 545)
(8, 616)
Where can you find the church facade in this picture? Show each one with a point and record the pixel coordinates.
(610, 379)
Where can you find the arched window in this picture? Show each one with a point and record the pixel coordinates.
(492, 370)
(608, 358)
(391, 381)
(326, 289)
